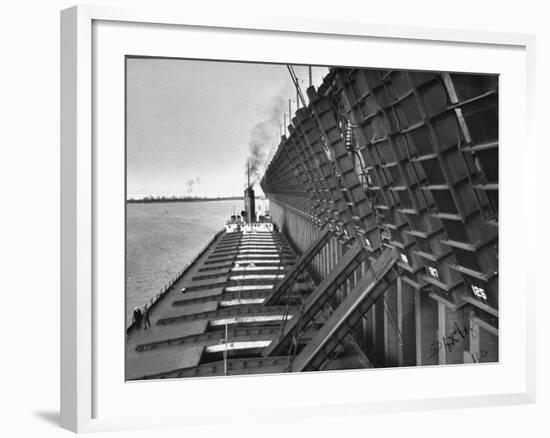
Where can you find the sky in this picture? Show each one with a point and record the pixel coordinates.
(191, 124)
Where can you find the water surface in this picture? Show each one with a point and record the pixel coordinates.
(161, 238)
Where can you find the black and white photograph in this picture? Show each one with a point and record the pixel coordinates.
(288, 218)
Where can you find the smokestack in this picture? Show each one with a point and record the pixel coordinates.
(310, 76)
(284, 124)
(249, 204)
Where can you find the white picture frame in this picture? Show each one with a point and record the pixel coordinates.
(81, 366)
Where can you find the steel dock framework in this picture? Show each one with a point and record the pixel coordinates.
(385, 199)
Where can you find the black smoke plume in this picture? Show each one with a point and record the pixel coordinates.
(262, 137)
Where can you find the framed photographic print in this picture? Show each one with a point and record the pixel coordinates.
(269, 213)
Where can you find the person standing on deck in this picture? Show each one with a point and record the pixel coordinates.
(137, 317)
(146, 317)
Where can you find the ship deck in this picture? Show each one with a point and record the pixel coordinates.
(223, 291)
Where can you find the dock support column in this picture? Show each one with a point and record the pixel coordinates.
(474, 352)
(368, 333)
(455, 338)
(483, 339)
(406, 323)
(392, 346)
(328, 256)
(426, 329)
(366, 321)
(441, 329)
(340, 293)
(378, 333)
(333, 254)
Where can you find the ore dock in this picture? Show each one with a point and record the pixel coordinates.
(380, 250)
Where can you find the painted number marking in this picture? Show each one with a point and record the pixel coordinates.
(479, 292)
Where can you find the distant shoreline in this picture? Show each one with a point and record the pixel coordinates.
(194, 199)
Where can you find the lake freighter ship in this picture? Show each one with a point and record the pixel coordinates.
(380, 248)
